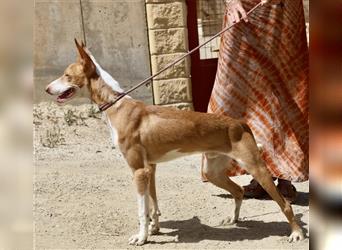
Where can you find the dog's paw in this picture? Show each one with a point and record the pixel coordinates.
(296, 236)
(228, 221)
(137, 240)
(153, 229)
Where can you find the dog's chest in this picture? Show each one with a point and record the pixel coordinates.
(113, 133)
(172, 155)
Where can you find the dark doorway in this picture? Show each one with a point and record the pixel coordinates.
(204, 20)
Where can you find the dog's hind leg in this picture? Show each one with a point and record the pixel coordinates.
(215, 171)
(264, 178)
(247, 154)
(155, 213)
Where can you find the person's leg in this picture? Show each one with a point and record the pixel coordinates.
(255, 190)
(287, 190)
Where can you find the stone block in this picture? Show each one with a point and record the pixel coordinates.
(172, 91)
(169, 14)
(166, 41)
(180, 70)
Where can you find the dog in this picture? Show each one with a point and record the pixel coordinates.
(147, 135)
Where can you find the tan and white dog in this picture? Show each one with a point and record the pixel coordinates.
(147, 135)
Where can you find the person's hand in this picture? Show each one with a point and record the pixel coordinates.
(235, 11)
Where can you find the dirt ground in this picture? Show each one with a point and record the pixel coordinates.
(84, 196)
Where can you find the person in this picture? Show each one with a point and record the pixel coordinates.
(262, 77)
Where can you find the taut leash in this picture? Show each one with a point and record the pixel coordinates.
(105, 106)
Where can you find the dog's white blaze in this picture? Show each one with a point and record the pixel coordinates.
(143, 209)
(107, 78)
(113, 133)
(58, 86)
(173, 154)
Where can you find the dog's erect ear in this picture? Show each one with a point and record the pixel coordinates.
(85, 60)
(81, 53)
(79, 58)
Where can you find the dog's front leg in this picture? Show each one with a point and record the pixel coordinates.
(141, 179)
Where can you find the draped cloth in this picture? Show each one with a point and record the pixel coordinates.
(262, 77)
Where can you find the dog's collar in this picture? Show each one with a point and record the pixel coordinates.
(105, 106)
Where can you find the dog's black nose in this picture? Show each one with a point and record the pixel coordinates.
(47, 90)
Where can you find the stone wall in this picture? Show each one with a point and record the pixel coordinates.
(168, 37)
(115, 31)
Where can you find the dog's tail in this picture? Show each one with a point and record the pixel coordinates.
(260, 147)
(248, 129)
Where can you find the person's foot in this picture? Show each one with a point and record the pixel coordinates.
(287, 190)
(254, 190)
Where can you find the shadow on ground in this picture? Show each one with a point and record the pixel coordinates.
(302, 198)
(193, 231)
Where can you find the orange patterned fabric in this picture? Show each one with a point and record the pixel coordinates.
(262, 77)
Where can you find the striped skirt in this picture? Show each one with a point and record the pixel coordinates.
(262, 77)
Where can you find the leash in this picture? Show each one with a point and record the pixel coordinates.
(106, 106)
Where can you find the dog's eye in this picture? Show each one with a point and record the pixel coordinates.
(67, 75)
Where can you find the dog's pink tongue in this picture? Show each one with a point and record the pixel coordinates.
(60, 100)
(66, 95)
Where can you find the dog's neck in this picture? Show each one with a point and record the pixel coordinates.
(101, 92)
(105, 88)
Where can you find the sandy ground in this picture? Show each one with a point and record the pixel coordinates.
(84, 196)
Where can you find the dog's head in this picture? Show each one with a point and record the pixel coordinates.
(75, 76)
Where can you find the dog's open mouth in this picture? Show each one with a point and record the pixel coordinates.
(66, 95)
